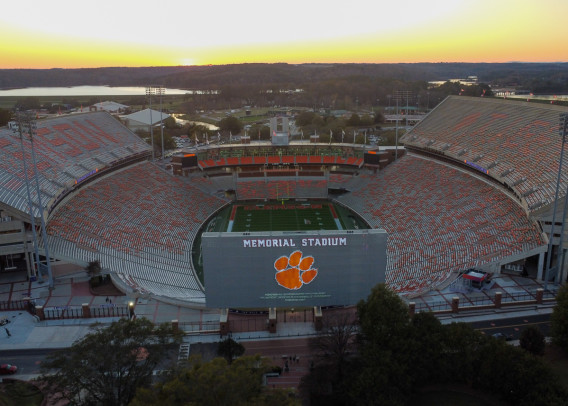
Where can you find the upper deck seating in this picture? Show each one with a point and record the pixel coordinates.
(516, 143)
(67, 149)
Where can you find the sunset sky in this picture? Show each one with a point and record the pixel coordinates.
(101, 33)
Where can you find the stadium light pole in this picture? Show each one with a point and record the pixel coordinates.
(30, 203)
(562, 132)
(560, 258)
(160, 90)
(149, 93)
(31, 124)
(396, 132)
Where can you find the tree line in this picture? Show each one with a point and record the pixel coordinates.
(534, 77)
(380, 356)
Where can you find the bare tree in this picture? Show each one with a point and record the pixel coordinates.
(336, 341)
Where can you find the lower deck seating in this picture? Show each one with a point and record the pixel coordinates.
(440, 220)
(138, 222)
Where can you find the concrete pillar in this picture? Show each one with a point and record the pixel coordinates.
(498, 299)
(86, 310)
(224, 322)
(318, 318)
(33, 265)
(412, 309)
(40, 313)
(564, 261)
(26, 255)
(272, 320)
(539, 295)
(540, 269)
(455, 304)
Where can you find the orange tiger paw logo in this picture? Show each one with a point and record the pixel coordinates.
(294, 271)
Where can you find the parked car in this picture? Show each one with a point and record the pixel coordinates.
(7, 369)
(501, 336)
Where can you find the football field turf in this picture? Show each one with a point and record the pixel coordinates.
(278, 216)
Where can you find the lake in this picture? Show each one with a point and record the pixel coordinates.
(87, 91)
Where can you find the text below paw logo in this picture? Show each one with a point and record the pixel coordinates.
(294, 271)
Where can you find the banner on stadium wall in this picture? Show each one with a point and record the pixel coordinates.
(292, 269)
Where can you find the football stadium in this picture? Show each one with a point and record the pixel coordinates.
(282, 223)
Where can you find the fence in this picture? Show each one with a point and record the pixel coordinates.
(22, 304)
(63, 312)
(110, 311)
(199, 327)
(478, 301)
(517, 297)
(507, 299)
(80, 312)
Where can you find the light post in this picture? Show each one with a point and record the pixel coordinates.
(396, 132)
(130, 310)
(28, 122)
(562, 132)
(30, 202)
(399, 95)
(151, 91)
(160, 90)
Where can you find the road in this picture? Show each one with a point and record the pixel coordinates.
(514, 326)
(28, 361)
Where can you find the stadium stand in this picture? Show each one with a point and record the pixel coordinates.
(68, 150)
(276, 160)
(283, 188)
(139, 222)
(440, 220)
(515, 143)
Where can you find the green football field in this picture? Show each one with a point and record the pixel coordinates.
(289, 215)
(278, 216)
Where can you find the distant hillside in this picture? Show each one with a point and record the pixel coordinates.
(538, 77)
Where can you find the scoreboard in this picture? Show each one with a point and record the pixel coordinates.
(292, 269)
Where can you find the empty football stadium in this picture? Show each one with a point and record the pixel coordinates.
(474, 187)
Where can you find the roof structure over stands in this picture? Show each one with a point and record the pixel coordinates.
(110, 106)
(146, 117)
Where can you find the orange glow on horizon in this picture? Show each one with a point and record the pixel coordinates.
(436, 31)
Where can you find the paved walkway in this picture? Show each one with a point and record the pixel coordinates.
(24, 331)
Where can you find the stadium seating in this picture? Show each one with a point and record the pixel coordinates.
(439, 220)
(67, 149)
(518, 143)
(139, 222)
(250, 189)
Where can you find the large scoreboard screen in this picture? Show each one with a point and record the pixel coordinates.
(292, 269)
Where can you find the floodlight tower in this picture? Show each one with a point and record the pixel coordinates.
(400, 95)
(28, 125)
(30, 202)
(160, 90)
(151, 91)
(562, 132)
